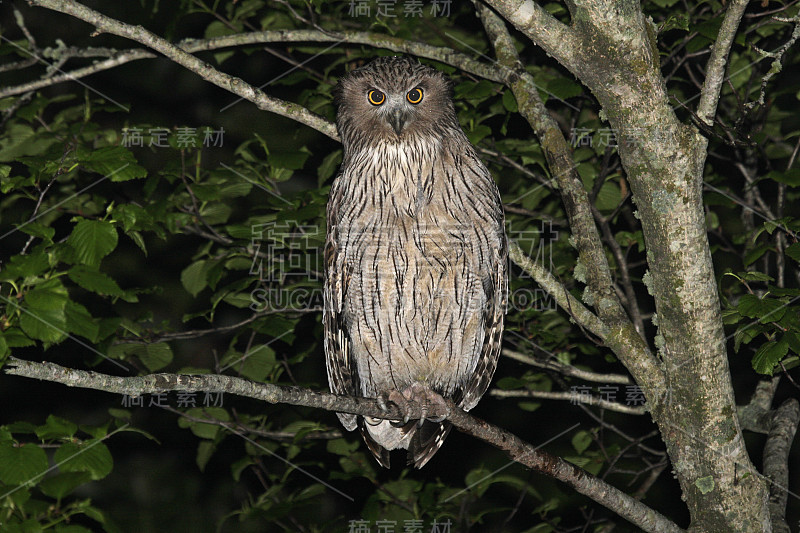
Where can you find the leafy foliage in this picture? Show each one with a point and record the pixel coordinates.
(160, 235)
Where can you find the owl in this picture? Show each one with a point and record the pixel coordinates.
(415, 257)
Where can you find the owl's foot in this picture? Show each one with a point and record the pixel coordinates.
(429, 401)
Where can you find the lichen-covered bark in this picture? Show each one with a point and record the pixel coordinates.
(617, 59)
(664, 162)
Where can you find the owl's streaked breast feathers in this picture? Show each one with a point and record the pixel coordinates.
(415, 256)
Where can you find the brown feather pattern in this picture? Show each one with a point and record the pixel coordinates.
(415, 256)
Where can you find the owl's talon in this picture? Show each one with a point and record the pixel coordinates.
(382, 402)
(418, 394)
(402, 404)
(424, 413)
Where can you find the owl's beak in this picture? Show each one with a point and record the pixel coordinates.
(397, 119)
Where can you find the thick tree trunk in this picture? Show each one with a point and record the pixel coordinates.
(610, 47)
(664, 162)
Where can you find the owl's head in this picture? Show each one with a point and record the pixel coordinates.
(394, 99)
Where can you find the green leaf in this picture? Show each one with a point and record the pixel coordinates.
(44, 317)
(201, 429)
(20, 464)
(766, 310)
(793, 340)
(237, 467)
(92, 240)
(258, 363)
(402, 489)
(218, 29)
(591, 462)
(115, 162)
(63, 484)
(478, 133)
(216, 213)
(153, 356)
(95, 281)
(205, 449)
(562, 88)
(328, 166)
(730, 316)
(609, 197)
(529, 406)
(156, 356)
(292, 160)
(581, 440)
(753, 255)
(80, 322)
(25, 266)
(769, 355)
(510, 382)
(15, 338)
(626, 238)
(341, 447)
(48, 295)
(193, 277)
(56, 428)
(791, 177)
(478, 480)
(509, 102)
(793, 251)
(755, 276)
(234, 190)
(90, 456)
(675, 21)
(20, 140)
(240, 299)
(473, 90)
(220, 57)
(37, 230)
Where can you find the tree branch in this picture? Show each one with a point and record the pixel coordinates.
(574, 397)
(776, 461)
(548, 282)
(567, 370)
(554, 37)
(437, 53)
(519, 450)
(780, 426)
(715, 69)
(119, 58)
(755, 416)
(187, 60)
(619, 332)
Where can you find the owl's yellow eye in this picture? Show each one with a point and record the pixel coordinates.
(414, 96)
(376, 97)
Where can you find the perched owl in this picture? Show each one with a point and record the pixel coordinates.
(415, 256)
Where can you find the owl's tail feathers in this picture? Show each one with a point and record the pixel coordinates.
(422, 441)
(380, 453)
(426, 441)
(347, 420)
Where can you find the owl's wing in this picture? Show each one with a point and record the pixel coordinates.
(342, 375)
(495, 286)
